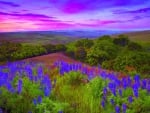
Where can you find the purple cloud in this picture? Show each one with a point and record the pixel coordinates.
(78, 6)
(30, 15)
(142, 10)
(9, 4)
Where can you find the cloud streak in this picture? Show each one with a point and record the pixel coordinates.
(73, 14)
(79, 6)
(9, 4)
(141, 10)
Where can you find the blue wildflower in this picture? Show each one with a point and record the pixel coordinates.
(60, 112)
(19, 86)
(124, 108)
(1, 110)
(103, 103)
(117, 109)
(130, 99)
(34, 101)
(120, 92)
(39, 99)
(112, 101)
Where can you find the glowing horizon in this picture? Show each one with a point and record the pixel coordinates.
(37, 15)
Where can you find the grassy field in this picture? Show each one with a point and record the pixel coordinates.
(35, 38)
(56, 38)
(140, 36)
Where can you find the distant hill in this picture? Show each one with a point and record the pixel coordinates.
(53, 36)
(34, 37)
(66, 36)
(138, 35)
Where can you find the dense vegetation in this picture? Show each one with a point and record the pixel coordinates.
(77, 88)
(74, 89)
(15, 51)
(119, 54)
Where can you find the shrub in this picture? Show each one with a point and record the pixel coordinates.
(103, 50)
(50, 48)
(86, 43)
(60, 47)
(80, 54)
(122, 40)
(7, 49)
(138, 60)
(134, 46)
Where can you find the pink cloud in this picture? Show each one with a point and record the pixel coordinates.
(73, 7)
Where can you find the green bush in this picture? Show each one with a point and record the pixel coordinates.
(86, 43)
(134, 46)
(80, 54)
(27, 51)
(139, 60)
(60, 47)
(7, 49)
(49, 48)
(122, 40)
(105, 37)
(103, 50)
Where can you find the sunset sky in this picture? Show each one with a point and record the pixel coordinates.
(38, 15)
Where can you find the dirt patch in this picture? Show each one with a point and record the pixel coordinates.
(51, 58)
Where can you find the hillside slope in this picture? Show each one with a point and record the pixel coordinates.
(138, 35)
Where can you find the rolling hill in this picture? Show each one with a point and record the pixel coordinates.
(138, 35)
(56, 37)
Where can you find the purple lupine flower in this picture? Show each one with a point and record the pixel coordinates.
(124, 82)
(135, 89)
(144, 84)
(137, 78)
(120, 92)
(117, 109)
(60, 112)
(19, 86)
(135, 92)
(34, 101)
(112, 88)
(103, 103)
(9, 87)
(39, 99)
(1, 110)
(148, 88)
(112, 101)
(130, 99)
(46, 91)
(105, 91)
(124, 108)
(129, 81)
(114, 92)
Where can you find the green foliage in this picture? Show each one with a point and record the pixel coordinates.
(60, 47)
(7, 49)
(133, 59)
(49, 106)
(122, 40)
(29, 51)
(86, 43)
(80, 53)
(103, 50)
(73, 78)
(108, 64)
(20, 103)
(49, 48)
(105, 37)
(82, 97)
(96, 86)
(134, 46)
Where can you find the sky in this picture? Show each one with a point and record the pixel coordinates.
(44, 15)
